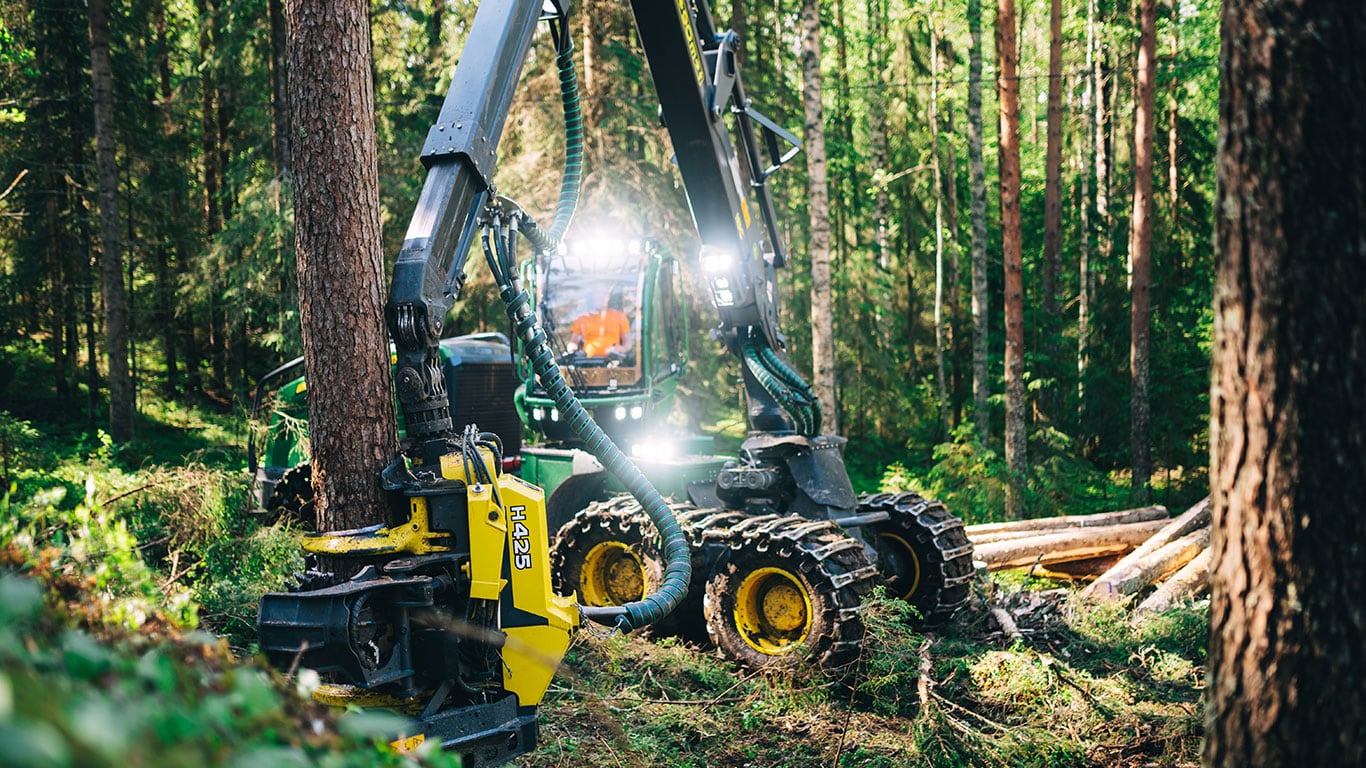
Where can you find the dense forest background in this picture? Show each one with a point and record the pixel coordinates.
(204, 191)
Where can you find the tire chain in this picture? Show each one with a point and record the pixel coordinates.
(951, 552)
(841, 568)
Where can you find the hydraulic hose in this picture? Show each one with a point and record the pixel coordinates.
(573, 138)
(797, 401)
(793, 379)
(677, 557)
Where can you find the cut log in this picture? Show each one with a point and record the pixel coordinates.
(1190, 581)
(1193, 519)
(1128, 577)
(1065, 546)
(1079, 570)
(1038, 525)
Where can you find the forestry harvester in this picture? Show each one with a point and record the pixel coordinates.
(452, 616)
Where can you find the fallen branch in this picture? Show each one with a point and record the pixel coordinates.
(1064, 522)
(1191, 580)
(1065, 546)
(1007, 623)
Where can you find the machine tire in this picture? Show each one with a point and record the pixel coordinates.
(292, 498)
(599, 556)
(924, 556)
(789, 583)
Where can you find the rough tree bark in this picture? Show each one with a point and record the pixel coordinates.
(1008, 88)
(121, 404)
(1287, 669)
(337, 236)
(822, 319)
(1140, 253)
(981, 386)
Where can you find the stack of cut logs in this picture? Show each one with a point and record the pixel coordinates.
(1125, 552)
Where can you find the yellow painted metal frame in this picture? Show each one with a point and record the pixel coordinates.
(512, 538)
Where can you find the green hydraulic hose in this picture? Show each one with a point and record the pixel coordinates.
(573, 140)
(793, 379)
(796, 403)
(677, 557)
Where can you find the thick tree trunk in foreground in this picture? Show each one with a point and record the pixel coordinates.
(350, 398)
(1287, 668)
(822, 319)
(1008, 86)
(111, 242)
(981, 386)
(1140, 254)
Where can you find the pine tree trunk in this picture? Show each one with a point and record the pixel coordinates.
(111, 241)
(167, 257)
(1084, 210)
(981, 386)
(337, 236)
(877, 130)
(1287, 672)
(208, 151)
(1104, 243)
(941, 377)
(1173, 175)
(1008, 88)
(594, 84)
(822, 319)
(279, 87)
(950, 192)
(224, 108)
(1140, 253)
(1050, 398)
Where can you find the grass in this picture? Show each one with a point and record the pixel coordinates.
(1085, 689)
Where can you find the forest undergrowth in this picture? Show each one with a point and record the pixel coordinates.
(128, 589)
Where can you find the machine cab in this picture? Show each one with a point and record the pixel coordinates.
(612, 312)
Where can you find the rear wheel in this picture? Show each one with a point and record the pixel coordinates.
(924, 556)
(789, 589)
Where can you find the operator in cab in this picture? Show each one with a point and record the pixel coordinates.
(605, 332)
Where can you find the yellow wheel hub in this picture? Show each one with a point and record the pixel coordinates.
(772, 611)
(612, 575)
(901, 565)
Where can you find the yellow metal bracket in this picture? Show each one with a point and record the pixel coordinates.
(414, 537)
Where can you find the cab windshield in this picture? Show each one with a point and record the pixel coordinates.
(590, 301)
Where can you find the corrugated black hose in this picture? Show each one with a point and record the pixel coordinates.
(504, 226)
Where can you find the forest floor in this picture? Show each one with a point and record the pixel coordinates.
(128, 585)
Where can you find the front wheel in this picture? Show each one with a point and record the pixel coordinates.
(599, 555)
(924, 556)
(789, 585)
